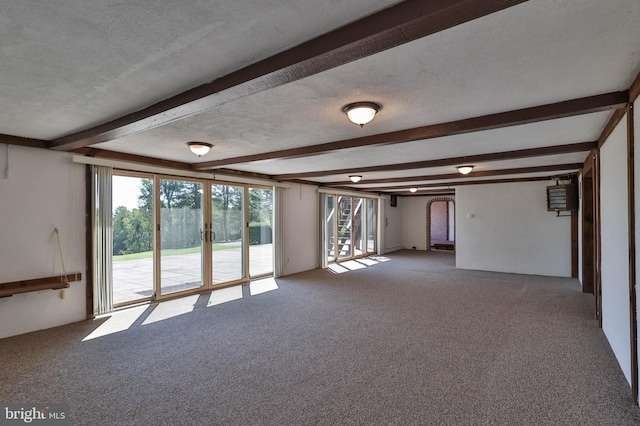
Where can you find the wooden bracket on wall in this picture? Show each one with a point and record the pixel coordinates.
(53, 283)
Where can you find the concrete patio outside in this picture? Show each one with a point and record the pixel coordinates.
(133, 279)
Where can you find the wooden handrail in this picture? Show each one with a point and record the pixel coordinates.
(24, 286)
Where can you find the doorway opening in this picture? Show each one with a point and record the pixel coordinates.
(588, 246)
(441, 224)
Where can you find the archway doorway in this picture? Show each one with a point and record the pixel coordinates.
(441, 224)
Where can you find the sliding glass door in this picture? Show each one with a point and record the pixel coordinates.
(260, 231)
(350, 227)
(330, 242)
(177, 236)
(227, 236)
(344, 245)
(182, 236)
(132, 267)
(359, 227)
(372, 226)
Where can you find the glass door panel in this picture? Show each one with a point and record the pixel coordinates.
(227, 251)
(330, 233)
(260, 231)
(371, 226)
(357, 227)
(132, 239)
(344, 228)
(181, 236)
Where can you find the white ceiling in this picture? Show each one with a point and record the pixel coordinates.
(71, 65)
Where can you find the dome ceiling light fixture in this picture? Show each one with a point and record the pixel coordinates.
(361, 113)
(199, 148)
(465, 170)
(355, 178)
(414, 189)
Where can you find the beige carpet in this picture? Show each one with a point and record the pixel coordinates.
(405, 339)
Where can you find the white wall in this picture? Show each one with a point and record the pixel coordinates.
(301, 238)
(414, 222)
(511, 230)
(392, 225)
(42, 191)
(615, 245)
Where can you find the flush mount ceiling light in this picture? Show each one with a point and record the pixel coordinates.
(199, 148)
(413, 189)
(355, 178)
(465, 170)
(361, 113)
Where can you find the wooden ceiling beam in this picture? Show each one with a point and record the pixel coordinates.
(391, 27)
(241, 173)
(616, 117)
(429, 192)
(133, 158)
(455, 161)
(443, 188)
(448, 185)
(17, 140)
(591, 104)
(634, 90)
(502, 172)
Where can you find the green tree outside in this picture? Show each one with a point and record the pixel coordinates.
(180, 206)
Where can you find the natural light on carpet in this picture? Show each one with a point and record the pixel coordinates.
(337, 269)
(262, 286)
(116, 322)
(171, 309)
(367, 261)
(353, 265)
(225, 295)
(122, 320)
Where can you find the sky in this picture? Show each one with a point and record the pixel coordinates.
(125, 192)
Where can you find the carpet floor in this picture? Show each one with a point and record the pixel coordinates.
(404, 339)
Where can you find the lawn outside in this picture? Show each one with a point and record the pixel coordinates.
(172, 252)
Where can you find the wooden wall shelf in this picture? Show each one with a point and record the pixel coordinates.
(53, 283)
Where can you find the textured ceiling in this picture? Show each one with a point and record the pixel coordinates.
(71, 65)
